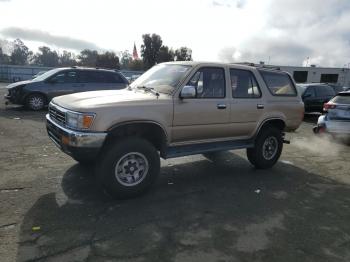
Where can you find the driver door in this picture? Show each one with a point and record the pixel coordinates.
(205, 116)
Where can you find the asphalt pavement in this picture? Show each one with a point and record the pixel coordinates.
(200, 209)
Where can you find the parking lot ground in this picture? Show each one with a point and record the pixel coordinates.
(200, 209)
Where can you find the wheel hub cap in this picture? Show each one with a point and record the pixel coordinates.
(270, 148)
(131, 169)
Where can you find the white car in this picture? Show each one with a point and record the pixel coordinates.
(336, 119)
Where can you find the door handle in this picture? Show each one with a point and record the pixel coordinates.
(221, 106)
(260, 106)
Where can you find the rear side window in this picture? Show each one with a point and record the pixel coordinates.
(325, 91)
(345, 100)
(112, 78)
(310, 92)
(243, 84)
(278, 83)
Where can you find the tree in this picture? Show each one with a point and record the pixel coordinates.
(67, 59)
(125, 59)
(165, 55)
(20, 53)
(4, 58)
(183, 54)
(136, 65)
(150, 49)
(108, 60)
(88, 57)
(46, 57)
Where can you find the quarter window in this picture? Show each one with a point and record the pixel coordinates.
(279, 84)
(209, 83)
(243, 84)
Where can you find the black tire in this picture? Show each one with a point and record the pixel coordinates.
(35, 102)
(143, 152)
(256, 155)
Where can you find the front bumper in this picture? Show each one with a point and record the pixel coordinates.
(79, 145)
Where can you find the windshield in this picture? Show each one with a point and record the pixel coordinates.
(47, 74)
(163, 78)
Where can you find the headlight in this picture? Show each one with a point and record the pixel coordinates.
(79, 120)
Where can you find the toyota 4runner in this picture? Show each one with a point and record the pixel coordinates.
(176, 109)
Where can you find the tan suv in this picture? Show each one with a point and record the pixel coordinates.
(176, 109)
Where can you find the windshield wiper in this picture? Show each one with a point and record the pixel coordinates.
(150, 89)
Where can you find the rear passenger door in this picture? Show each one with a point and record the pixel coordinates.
(247, 103)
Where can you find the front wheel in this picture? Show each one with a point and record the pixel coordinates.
(128, 168)
(267, 149)
(35, 102)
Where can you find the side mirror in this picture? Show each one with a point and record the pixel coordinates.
(188, 92)
(306, 95)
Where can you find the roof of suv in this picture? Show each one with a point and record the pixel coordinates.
(241, 66)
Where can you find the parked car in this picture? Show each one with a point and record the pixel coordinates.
(336, 120)
(176, 109)
(315, 95)
(38, 92)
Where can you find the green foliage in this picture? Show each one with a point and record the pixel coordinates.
(46, 57)
(88, 57)
(125, 60)
(108, 60)
(150, 49)
(136, 65)
(4, 58)
(20, 54)
(165, 54)
(183, 54)
(67, 59)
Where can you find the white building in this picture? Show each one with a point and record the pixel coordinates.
(313, 74)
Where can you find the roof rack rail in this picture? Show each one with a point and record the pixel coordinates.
(260, 66)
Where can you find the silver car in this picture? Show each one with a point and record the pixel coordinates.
(336, 119)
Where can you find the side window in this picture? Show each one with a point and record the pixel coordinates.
(325, 91)
(278, 83)
(310, 92)
(209, 82)
(243, 84)
(112, 78)
(59, 78)
(71, 77)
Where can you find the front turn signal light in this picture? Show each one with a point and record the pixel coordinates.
(87, 121)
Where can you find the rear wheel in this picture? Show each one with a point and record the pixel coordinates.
(35, 102)
(128, 168)
(267, 149)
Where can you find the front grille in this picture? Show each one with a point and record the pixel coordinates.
(57, 115)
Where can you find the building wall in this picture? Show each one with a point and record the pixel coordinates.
(314, 73)
(12, 73)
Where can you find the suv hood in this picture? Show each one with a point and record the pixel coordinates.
(20, 83)
(86, 101)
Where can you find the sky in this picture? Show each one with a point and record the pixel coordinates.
(280, 32)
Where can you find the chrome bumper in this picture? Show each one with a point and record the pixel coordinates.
(65, 138)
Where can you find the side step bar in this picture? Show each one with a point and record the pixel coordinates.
(186, 150)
